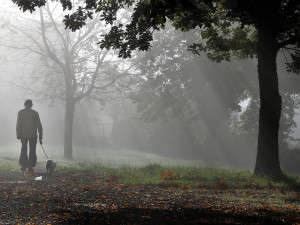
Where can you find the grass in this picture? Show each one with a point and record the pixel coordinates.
(138, 168)
(106, 157)
(189, 183)
(221, 186)
(7, 166)
(186, 178)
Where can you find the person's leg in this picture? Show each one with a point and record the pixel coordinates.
(32, 153)
(23, 161)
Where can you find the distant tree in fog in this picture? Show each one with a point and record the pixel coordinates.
(246, 123)
(64, 65)
(238, 28)
(178, 84)
(177, 81)
(179, 87)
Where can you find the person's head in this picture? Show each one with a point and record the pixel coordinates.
(28, 103)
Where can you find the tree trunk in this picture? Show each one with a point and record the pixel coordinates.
(267, 160)
(69, 116)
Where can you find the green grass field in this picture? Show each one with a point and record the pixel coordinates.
(108, 157)
(138, 168)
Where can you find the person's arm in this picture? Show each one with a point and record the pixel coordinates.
(40, 129)
(19, 126)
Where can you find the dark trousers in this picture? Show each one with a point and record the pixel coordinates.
(25, 161)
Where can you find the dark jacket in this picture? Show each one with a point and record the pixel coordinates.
(28, 123)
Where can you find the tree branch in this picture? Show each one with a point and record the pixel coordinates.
(51, 54)
(292, 41)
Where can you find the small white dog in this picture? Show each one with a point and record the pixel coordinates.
(50, 165)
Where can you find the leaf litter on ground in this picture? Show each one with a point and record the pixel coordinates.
(90, 197)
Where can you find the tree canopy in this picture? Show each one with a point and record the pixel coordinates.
(229, 26)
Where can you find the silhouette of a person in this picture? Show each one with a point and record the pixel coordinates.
(28, 123)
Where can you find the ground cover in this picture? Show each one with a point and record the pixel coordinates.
(154, 194)
(131, 187)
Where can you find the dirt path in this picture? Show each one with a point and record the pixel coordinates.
(87, 198)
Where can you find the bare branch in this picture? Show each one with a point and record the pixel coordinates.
(51, 54)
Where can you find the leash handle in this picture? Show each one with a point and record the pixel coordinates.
(44, 151)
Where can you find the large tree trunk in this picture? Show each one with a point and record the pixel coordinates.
(267, 161)
(69, 117)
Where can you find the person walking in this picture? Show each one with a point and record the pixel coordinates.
(28, 123)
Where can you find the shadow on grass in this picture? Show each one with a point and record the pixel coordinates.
(175, 217)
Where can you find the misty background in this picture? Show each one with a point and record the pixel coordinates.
(167, 103)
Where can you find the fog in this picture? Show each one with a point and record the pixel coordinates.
(170, 107)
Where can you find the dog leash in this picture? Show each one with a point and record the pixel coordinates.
(44, 151)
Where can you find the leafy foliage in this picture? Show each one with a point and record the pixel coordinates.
(294, 65)
(228, 25)
(176, 83)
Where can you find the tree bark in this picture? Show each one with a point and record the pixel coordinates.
(69, 117)
(267, 160)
